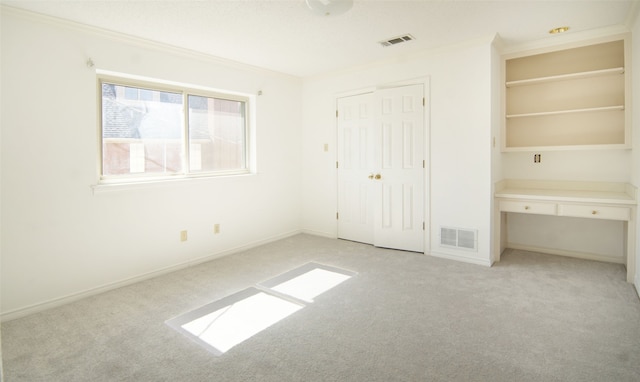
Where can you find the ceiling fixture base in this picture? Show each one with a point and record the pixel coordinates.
(329, 7)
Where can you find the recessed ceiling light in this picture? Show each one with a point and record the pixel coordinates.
(558, 30)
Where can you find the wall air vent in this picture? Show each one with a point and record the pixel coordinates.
(459, 238)
(397, 40)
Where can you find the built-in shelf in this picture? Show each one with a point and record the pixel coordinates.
(573, 98)
(559, 112)
(564, 77)
(542, 148)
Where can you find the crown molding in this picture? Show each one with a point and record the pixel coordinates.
(568, 39)
(133, 40)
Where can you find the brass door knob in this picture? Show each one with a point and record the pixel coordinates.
(370, 176)
(378, 176)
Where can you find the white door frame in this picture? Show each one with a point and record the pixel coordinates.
(426, 81)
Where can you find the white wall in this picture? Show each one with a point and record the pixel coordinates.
(635, 90)
(1, 359)
(459, 166)
(580, 165)
(57, 238)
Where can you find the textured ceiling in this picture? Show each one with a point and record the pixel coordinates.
(283, 35)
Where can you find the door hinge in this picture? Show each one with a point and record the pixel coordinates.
(336, 113)
(423, 226)
(337, 216)
(336, 164)
(424, 101)
(423, 163)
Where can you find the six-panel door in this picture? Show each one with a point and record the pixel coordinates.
(381, 173)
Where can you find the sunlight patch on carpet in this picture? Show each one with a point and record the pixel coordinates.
(223, 324)
(308, 281)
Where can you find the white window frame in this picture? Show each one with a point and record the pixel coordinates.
(185, 91)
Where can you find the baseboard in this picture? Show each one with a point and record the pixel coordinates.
(319, 233)
(39, 307)
(561, 252)
(636, 283)
(465, 259)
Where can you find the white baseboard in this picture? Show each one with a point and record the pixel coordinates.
(561, 252)
(466, 259)
(39, 307)
(319, 233)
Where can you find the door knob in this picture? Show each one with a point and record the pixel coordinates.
(378, 176)
(370, 176)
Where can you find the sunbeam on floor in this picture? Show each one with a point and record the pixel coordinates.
(223, 324)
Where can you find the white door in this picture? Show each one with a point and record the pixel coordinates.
(399, 214)
(356, 163)
(380, 168)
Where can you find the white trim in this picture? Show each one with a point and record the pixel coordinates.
(463, 258)
(565, 41)
(137, 41)
(425, 81)
(186, 90)
(351, 93)
(614, 146)
(328, 235)
(561, 252)
(152, 83)
(59, 301)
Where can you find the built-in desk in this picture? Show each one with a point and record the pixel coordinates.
(588, 200)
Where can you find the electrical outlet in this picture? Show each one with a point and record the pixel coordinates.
(183, 235)
(216, 228)
(536, 158)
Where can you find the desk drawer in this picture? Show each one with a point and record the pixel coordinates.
(595, 212)
(528, 207)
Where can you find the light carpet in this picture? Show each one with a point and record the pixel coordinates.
(405, 317)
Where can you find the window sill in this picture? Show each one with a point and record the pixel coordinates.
(107, 187)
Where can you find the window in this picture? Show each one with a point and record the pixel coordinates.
(153, 131)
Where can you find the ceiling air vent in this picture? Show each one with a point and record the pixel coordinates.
(397, 40)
